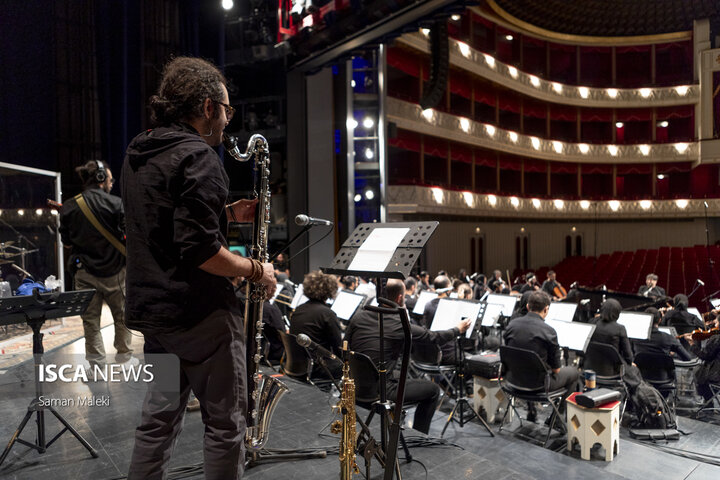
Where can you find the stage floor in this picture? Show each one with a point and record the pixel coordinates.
(302, 421)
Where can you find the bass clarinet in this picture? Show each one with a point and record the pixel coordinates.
(264, 391)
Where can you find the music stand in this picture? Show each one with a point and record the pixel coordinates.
(385, 251)
(637, 325)
(35, 309)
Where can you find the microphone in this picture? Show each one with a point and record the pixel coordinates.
(705, 203)
(304, 341)
(700, 282)
(303, 220)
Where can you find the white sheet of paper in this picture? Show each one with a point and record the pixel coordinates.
(507, 301)
(450, 312)
(377, 250)
(345, 304)
(491, 315)
(279, 289)
(424, 297)
(695, 312)
(572, 335)
(299, 298)
(637, 324)
(715, 302)
(562, 311)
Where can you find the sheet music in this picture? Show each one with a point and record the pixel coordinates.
(715, 302)
(565, 312)
(424, 297)
(695, 312)
(668, 330)
(279, 289)
(377, 250)
(572, 335)
(299, 298)
(637, 324)
(450, 312)
(507, 301)
(491, 314)
(345, 304)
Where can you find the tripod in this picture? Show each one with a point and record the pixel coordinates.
(461, 401)
(35, 317)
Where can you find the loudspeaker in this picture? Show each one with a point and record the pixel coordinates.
(439, 60)
(100, 173)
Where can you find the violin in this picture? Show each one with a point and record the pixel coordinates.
(699, 334)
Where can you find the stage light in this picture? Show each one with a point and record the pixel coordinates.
(469, 199)
(558, 146)
(584, 204)
(522, 229)
(509, 37)
(584, 92)
(490, 130)
(428, 114)
(557, 87)
(38, 212)
(513, 136)
(536, 203)
(574, 229)
(682, 203)
(663, 124)
(612, 92)
(645, 92)
(465, 125)
(559, 204)
(1, 212)
(21, 212)
(614, 205)
(660, 176)
(438, 194)
(682, 90)
(358, 197)
(477, 230)
(535, 142)
(352, 123)
(644, 149)
(352, 83)
(492, 200)
(513, 72)
(584, 148)
(455, 17)
(619, 124)
(369, 154)
(464, 49)
(681, 147)
(535, 81)
(515, 202)
(613, 149)
(227, 4)
(369, 194)
(368, 122)
(489, 60)
(425, 31)
(645, 204)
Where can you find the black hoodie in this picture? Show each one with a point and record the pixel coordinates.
(174, 189)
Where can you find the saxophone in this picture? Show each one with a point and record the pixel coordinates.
(346, 426)
(264, 391)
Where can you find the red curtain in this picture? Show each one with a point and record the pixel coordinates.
(532, 165)
(596, 168)
(404, 61)
(562, 167)
(485, 158)
(460, 152)
(436, 146)
(628, 169)
(406, 140)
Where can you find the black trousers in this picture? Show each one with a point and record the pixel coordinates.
(567, 377)
(423, 392)
(212, 364)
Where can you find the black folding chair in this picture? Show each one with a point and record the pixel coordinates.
(425, 360)
(609, 368)
(524, 375)
(658, 369)
(709, 405)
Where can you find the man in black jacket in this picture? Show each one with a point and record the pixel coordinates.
(362, 336)
(96, 262)
(532, 333)
(179, 268)
(660, 342)
(651, 289)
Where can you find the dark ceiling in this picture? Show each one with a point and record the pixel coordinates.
(615, 18)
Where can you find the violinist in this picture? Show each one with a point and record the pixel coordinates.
(497, 284)
(553, 288)
(531, 283)
(660, 342)
(709, 352)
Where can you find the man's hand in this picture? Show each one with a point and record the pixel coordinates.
(242, 211)
(463, 325)
(268, 279)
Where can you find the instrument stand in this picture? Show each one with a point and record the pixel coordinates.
(461, 401)
(36, 309)
(400, 263)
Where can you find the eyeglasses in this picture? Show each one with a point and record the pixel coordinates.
(229, 111)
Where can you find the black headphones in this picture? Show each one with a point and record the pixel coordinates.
(100, 173)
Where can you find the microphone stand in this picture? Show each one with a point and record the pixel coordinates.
(697, 285)
(290, 242)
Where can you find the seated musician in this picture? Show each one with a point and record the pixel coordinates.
(532, 333)
(315, 319)
(709, 371)
(608, 331)
(465, 292)
(424, 282)
(349, 283)
(442, 287)
(552, 287)
(680, 318)
(362, 336)
(410, 290)
(651, 289)
(480, 286)
(531, 283)
(496, 284)
(660, 342)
